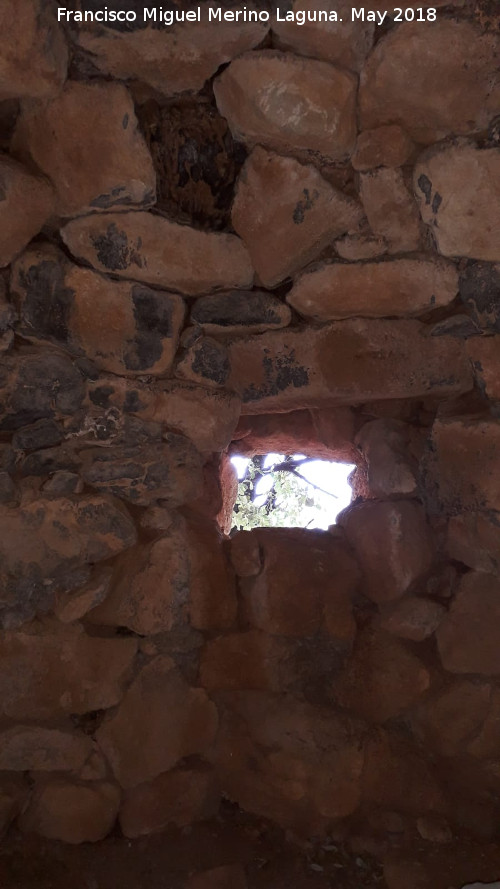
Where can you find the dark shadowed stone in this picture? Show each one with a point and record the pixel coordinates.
(480, 291)
(249, 311)
(169, 471)
(38, 386)
(43, 434)
(206, 361)
(63, 482)
(7, 488)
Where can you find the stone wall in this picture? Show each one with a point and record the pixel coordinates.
(226, 239)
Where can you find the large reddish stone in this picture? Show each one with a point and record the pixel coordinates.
(289, 104)
(398, 776)
(212, 590)
(474, 539)
(150, 587)
(180, 797)
(88, 143)
(327, 434)
(386, 146)
(26, 203)
(287, 214)
(391, 450)
(138, 328)
(307, 578)
(469, 637)
(410, 80)
(454, 185)
(447, 722)
(462, 470)
(245, 554)
(346, 362)
(69, 534)
(286, 760)
(344, 42)
(50, 669)
(412, 618)
(175, 59)
(396, 528)
(33, 52)
(160, 721)
(208, 418)
(390, 209)
(381, 679)
(250, 660)
(40, 749)
(155, 250)
(402, 287)
(70, 812)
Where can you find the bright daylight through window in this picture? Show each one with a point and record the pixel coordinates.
(279, 491)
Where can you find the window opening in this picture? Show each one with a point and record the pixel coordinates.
(287, 491)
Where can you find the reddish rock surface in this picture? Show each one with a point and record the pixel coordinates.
(345, 43)
(180, 797)
(240, 312)
(433, 98)
(39, 749)
(87, 142)
(230, 877)
(73, 813)
(391, 209)
(308, 367)
(474, 615)
(475, 540)
(286, 214)
(454, 185)
(171, 60)
(33, 51)
(139, 327)
(289, 104)
(398, 529)
(26, 204)
(403, 287)
(154, 250)
(484, 353)
(463, 466)
(412, 618)
(142, 740)
(386, 146)
(51, 670)
(447, 722)
(391, 450)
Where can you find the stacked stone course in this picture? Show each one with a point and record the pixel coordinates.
(331, 285)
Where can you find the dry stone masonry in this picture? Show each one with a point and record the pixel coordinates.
(221, 238)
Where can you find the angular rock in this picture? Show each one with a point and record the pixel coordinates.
(307, 578)
(40, 749)
(62, 483)
(411, 81)
(381, 679)
(402, 287)
(87, 141)
(37, 386)
(172, 60)
(206, 417)
(26, 203)
(386, 146)
(286, 214)
(446, 723)
(253, 311)
(484, 353)
(205, 362)
(53, 670)
(474, 540)
(150, 588)
(289, 104)
(397, 528)
(347, 362)
(160, 721)
(138, 328)
(412, 618)
(33, 52)
(305, 761)
(461, 470)
(344, 42)
(246, 557)
(251, 660)
(142, 474)
(454, 185)
(391, 209)
(73, 606)
(231, 876)
(355, 248)
(180, 797)
(212, 592)
(468, 637)
(68, 535)
(154, 250)
(391, 450)
(70, 812)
